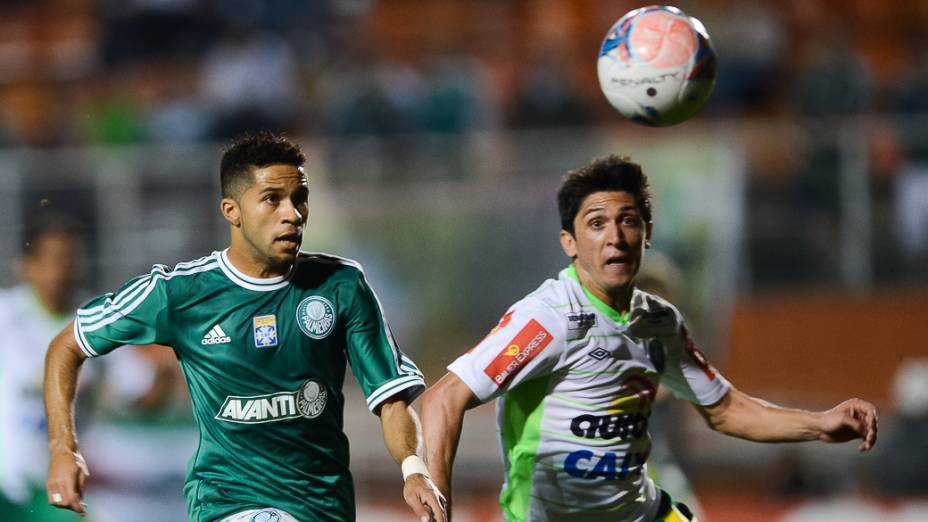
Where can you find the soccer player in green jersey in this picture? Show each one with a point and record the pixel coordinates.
(576, 365)
(263, 333)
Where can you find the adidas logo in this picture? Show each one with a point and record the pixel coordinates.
(216, 336)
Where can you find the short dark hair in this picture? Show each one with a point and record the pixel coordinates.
(611, 173)
(254, 151)
(46, 224)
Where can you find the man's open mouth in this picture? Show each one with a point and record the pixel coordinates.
(290, 240)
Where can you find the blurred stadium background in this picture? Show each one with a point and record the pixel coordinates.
(795, 205)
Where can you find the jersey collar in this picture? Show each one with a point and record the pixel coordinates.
(258, 284)
(597, 303)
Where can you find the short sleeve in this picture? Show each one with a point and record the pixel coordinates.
(381, 369)
(689, 374)
(527, 343)
(137, 313)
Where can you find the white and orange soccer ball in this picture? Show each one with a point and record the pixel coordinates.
(657, 66)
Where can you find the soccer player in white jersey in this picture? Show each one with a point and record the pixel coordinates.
(264, 333)
(31, 313)
(575, 365)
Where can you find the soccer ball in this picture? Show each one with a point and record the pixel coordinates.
(657, 66)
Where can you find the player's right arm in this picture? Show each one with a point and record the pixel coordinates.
(443, 407)
(134, 314)
(527, 343)
(67, 471)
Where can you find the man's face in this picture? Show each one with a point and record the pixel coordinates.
(49, 269)
(272, 213)
(608, 241)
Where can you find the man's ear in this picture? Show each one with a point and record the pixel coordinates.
(231, 211)
(569, 244)
(649, 229)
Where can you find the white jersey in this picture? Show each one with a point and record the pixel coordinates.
(575, 383)
(27, 329)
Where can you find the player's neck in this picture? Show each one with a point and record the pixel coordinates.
(619, 299)
(249, 263)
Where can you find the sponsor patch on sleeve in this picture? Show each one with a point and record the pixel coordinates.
(530, 340)
(503, 322)
(696, 354)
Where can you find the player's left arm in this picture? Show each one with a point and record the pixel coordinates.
(402, 434)
(740, 415)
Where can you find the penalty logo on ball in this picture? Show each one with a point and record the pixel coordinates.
(657, 66)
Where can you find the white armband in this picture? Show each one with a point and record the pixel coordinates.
(414, 464)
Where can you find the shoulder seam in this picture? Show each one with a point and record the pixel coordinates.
(195, 262)
(339, 259)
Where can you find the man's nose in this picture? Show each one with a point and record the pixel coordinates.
(293, 215)
(615, 235)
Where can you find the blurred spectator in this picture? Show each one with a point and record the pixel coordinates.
(749, 38)
(113, 112)
(457, 98)
(912, 211)
(176, 114)
(910, 102)
(908, 92)
(903, 466)
(140, 31)
(31, 314)
(250, 79)
(457, 101)
(545, 95)
(370, 95)
(833, 79)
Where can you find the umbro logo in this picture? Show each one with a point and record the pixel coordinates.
(216, 336)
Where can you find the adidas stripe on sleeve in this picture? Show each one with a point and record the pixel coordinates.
(137, 313)
(381, 369)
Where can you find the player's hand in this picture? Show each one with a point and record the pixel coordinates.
(852, 419)
(67, 476)
(424, 498)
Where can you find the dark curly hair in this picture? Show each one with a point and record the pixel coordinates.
(254, 151)
(611, 173)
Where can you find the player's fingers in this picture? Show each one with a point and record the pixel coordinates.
(861, 417)
(81, 481)
(63, 496)
(434, 503)
(418, 507)
(853, 420)
(871, 427)
(72, 501)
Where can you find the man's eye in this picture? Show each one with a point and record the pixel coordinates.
(596, 223)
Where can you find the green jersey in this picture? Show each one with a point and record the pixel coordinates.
(264, 361)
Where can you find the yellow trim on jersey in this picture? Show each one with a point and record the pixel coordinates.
(676, 516)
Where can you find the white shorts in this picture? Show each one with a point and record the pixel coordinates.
(261, 515)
